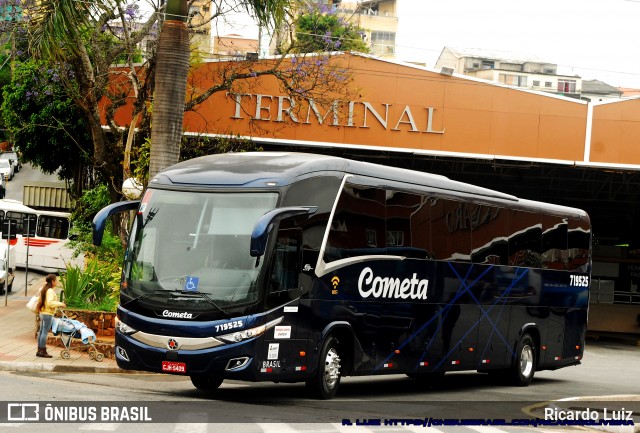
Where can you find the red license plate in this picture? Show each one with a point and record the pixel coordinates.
(174, 367)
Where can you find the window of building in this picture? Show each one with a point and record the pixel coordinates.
(384, 38)
(513, 80)
(567, 86)
(548, 84)
(536, 83)
(487, 64)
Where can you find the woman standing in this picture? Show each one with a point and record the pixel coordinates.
(48, 304)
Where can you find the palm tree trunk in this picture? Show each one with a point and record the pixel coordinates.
(172, 68)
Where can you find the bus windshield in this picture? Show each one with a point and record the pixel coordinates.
(192, 249)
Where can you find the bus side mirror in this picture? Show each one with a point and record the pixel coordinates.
(100, 220)
(265, 224)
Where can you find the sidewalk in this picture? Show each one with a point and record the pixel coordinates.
(18, 345)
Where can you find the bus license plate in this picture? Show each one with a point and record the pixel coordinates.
(174, 367)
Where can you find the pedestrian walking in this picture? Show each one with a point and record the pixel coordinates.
(48, 304)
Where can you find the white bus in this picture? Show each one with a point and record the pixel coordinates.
(47, 249)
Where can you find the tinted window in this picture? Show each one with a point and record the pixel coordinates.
(358, 226)
(450, 230)
(489, 234)
(52, 227)
(554, 242)
(579, 242)
(525, 239)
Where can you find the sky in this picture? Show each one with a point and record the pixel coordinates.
(595, 39)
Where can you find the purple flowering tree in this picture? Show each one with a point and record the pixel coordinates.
(324, 29)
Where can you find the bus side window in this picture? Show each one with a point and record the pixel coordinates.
(285, 268)
(525, 240)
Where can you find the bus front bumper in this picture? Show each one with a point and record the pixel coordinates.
(230, 361)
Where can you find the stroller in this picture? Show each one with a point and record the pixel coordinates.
(68, 329)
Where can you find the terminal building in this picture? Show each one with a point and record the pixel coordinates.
(533, 144)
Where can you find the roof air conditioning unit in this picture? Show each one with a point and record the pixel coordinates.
(446, 71)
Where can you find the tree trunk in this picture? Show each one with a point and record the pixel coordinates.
(172, 68)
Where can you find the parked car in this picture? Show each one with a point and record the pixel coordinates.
(6, 169)
(6, 278)
(14, 158)
(3, 187)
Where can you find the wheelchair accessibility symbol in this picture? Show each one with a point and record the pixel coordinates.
(191, 285)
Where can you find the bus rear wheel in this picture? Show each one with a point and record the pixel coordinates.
(324, 384)
(205, 382)
(524, 367)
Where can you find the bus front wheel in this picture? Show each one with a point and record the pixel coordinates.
(524, 366)
(324, 384)
(206, 383)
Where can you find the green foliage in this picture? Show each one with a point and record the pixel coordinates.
(201, 146)
(140, 157)
(323, 29)
(96, 287)
(47, 126)
(86, 208)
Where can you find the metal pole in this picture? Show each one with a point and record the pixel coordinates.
(26, 269)
(6, 266)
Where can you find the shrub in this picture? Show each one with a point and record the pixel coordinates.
(96, 287)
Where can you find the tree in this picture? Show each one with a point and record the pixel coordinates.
(172, 72)
(87, 38)
(322, 29)
(49, 126)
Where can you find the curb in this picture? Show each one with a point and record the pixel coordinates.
(34, 367)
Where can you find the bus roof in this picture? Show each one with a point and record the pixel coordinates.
(263, 169)
(9, 205)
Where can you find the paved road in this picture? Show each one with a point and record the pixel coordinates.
(27, 174)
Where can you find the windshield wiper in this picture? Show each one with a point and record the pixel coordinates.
(144, 295)
(205, 297)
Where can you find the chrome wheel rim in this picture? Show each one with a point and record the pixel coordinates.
(526, 361)
(331, 368)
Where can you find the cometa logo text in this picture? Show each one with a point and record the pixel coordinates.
(392, 288)
(176, 315)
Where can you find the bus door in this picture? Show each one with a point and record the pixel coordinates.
(285, 346)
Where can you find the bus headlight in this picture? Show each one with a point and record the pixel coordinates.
(247, 334)
(124, 328)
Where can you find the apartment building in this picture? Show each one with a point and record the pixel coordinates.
(379, 20)
(509, 68)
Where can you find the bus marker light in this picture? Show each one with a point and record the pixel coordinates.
(471, 349)
(389, 365)
(456, 362)
(486, 361)
(301, 368)
(266, 370)
(303, 353)
(544, 347)
(577, 347)
(557, 358)
(397, 351)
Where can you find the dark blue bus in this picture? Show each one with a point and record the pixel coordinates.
(290, 267)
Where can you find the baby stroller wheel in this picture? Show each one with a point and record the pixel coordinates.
(99, 357)
(92, 354)
(65, 354)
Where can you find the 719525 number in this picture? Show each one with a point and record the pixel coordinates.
(229, 325)
(579, 280)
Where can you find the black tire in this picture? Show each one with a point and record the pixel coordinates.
(326, 381)
(524, 366)
(205, 382)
